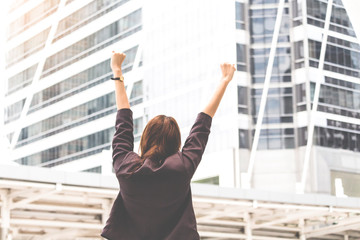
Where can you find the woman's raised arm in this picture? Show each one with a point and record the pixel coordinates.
(227, 75)
(122, 100)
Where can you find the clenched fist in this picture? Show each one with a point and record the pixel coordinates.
(227, 70)
(116, 61)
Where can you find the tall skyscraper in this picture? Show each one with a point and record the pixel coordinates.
(297, 79)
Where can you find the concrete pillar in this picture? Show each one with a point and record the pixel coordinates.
(302, 229)
(248, 227)
(5, 216)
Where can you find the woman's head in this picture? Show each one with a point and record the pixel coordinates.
(160, 139)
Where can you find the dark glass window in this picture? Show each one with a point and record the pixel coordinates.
(297, 12)
(244, 138)
(279, 105)
(240, 15)
(241, 57)
(276, 138)
(314, 49)
(242, 100)
(340, 21)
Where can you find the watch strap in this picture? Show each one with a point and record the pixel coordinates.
(118, 78)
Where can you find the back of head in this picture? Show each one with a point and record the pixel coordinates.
(160, 139)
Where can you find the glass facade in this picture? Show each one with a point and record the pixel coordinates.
(71, 118)
(21, 80)
(278, 138)
(279, 103)
(94, 170)
(337, 137)
(254, 19)
(13, 111)
(240, 15)
(27, 48)
(339, 21)
(70, 151)
(76, 116)
(79, 148)
(112, 33)
(94, 75)
(243, 100)
(263, 23)
(241, 56)
(86, 15)
(35, 15)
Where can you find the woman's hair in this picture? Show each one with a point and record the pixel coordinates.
(160, 139)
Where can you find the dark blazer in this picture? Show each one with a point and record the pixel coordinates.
(155, 202)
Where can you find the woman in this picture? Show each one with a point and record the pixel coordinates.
(154, 202)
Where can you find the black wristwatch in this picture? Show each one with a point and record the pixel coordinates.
(121, 78)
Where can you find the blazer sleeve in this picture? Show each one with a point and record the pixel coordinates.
(195, 143)
(123, 141)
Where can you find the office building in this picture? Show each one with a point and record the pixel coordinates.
(60, 106)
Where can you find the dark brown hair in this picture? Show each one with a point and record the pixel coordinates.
(160, 139)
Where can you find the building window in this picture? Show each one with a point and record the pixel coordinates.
(13, 111)
(21, 80)
(240, 15)
(241, 57)
(35, 15)
(94, 170)
(242, 100)
(333, 136)
(27, 48)
(299, 54)
(70, 151)
(71, 118)
(244, 138)
(138, 127)
(281, 71)
(339, 21)
(297, 12)
(85, 15)
(210, 180)
(82, 81)
(279, 105)
(112, 33)
(262, 23)
(276, 138)
(136, 95)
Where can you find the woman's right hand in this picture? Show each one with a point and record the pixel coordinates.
(227, 70)
(116, 61)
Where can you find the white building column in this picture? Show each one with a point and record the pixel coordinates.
(300, 187)
(247, 177)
